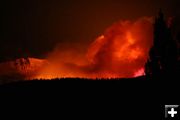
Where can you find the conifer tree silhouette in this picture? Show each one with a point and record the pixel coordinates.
(163, 55)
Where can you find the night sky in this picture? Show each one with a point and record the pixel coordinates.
(39, 25)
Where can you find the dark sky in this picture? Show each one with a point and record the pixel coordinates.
(39, 25)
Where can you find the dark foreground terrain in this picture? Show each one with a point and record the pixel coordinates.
(125, 97)
(146, 88)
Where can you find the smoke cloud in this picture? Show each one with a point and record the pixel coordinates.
(121, 51)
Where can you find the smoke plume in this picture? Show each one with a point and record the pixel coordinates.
(121, 51)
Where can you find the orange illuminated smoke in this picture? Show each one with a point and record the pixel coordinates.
(120, 52)
(123, 49)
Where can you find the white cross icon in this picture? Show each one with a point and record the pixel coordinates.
(172, 112)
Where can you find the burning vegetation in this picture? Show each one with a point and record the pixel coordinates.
(122, 51)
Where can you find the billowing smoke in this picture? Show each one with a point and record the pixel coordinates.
(120, 52)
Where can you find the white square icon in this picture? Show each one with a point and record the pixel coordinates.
(172, 112)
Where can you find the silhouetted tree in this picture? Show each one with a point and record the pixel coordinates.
(163, 55)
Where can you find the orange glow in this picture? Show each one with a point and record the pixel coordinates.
(9, 68)
(120, 52)
(140, 72)
(126, 52)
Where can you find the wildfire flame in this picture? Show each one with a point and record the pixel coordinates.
(120, 52)
(123, 49)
